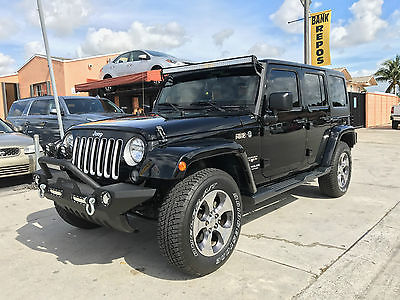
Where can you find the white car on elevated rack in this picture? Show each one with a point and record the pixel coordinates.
(137, 61)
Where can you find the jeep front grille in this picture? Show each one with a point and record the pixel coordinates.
(97, 156)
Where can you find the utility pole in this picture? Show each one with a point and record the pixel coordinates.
(50, 64)
(306, 4)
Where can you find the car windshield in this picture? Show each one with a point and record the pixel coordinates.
(85, 106)
(214, 90)
(4, 128)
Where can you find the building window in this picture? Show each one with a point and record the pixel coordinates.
(40, 89)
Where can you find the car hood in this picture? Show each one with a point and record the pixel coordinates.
(101, 116)
(150, 127)
(15, 140)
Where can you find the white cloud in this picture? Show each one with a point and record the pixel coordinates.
(34, 47)
(60, 15)
(220, 37)
(263, 50)
(7, 27)
(316, 5)
(363, 27)
(6, 64)
(290, 10)
(138, 36)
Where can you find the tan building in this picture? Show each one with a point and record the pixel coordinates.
(357, 84)
(33, 78)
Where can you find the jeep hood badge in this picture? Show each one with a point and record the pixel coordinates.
(97, 134)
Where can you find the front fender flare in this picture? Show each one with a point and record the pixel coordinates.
(162, 162)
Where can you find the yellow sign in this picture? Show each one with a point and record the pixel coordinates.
(320, 28)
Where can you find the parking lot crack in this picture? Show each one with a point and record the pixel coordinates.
(277, 262)
(315, 244)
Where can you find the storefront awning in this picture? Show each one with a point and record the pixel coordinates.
(149, 76)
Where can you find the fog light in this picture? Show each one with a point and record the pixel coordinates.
(106, 198)
(134, 177)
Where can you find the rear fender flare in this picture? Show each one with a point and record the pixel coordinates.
(344, 133)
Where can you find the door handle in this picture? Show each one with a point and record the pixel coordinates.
(42, 124)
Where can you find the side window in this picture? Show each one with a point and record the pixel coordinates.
(123, 58)
(337, 91)
(135, 55)
(314, 90)
(17, 108)
(284, 81)
(40, 107)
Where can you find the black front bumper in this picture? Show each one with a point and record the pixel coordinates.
(73, 195)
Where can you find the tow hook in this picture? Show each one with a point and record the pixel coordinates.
(42, 189)
(90, 206)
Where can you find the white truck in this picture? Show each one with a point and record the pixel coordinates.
(395, 116)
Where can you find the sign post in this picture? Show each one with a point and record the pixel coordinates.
(320, 29)
(50, 64)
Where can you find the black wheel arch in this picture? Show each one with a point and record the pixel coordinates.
(344, 133)
(226, 156)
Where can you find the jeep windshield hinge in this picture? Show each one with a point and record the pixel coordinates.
(162, 134)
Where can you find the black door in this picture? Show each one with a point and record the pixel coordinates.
(317, 112)
(357, 109)
(283, 143)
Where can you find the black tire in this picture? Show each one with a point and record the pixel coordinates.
(180, 216)
(330, 184)
(395, 124)
(108, 89)
(74, 220)
(156, 67)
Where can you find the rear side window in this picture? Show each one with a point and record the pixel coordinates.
(314, 90)
(284, 81)
(337, 91)
(17, 108)
(40, 107)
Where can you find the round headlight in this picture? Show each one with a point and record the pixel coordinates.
(68, 140)
(134, 151)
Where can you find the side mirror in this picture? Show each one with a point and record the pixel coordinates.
(143, 57)
(282, 101)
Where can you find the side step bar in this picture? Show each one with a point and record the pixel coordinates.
(264, 193)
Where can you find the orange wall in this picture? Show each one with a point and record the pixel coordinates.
(7, 79)
(37, 71)
(78, 71)
(377, 108)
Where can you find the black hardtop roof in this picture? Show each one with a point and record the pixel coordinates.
(300, 65)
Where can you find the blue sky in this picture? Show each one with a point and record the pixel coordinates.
(364, 32)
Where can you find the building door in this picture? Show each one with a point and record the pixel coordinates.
(357, 109)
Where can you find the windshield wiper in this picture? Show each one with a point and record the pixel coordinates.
(174, 106)
(207, 103)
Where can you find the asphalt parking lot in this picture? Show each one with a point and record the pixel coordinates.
(299, 244)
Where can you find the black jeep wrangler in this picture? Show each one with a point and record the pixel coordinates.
(223, 134)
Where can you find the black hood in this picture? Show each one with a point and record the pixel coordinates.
(146, 126)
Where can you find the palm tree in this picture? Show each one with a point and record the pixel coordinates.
(390, 72)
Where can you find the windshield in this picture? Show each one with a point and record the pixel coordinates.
(85, 106)
(228, 88)
(4, 128)
(17, 108)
